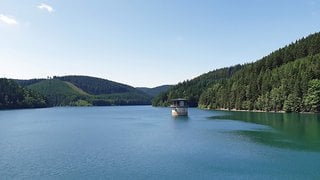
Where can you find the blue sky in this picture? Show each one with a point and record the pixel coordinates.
(145, 42)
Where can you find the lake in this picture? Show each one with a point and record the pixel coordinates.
(143, 142)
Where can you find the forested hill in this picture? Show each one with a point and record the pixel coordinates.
(287, 79)
(97, 86)
(14, 96)
(85, 91)
(192, 89)
(153, 92)
(28, 82)
(59, 93)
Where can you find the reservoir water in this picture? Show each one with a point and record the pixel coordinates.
(143, 142)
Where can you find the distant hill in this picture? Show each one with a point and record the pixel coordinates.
(106, 92)
(86, 90)
(27, 82)
(58, 93)
(288, 80)
(153, 92)
(14, 96)
(51, 86)
(97, 86)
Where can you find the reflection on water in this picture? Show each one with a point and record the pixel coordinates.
(180, 118)
(294, 131)
(180, 122)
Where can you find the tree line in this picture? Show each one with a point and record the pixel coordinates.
(292, 88)
(14, 96)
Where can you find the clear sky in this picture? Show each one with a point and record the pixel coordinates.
(145, 42)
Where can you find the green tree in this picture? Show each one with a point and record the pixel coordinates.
(292, 104)
(14, 96)
(312, 98)
(276, 99)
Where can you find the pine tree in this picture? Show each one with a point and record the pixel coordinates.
(312, 98)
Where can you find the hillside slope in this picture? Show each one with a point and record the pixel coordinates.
(27, 82)
(67, 91)
(263, 85)
(153, 92)
(106, 92)
(97, 86)
(59, 93)
(289, 87)
(192, 89)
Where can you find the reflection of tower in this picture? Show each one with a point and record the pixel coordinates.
(179, 107)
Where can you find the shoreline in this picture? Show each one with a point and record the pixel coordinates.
(240, 110)
(258, 111)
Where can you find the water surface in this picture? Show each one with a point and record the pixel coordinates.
(142, 142)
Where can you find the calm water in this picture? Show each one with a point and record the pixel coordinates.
(142, 142)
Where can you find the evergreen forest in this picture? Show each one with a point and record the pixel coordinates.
(287, 80)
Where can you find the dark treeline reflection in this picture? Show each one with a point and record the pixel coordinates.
(294, 131)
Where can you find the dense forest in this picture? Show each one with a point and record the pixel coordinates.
(14, 96)
(192, 89)
(286, 80)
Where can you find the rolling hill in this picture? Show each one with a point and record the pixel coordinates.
(153, 92)
(58, 93)
(85, 90)
(97, 86)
